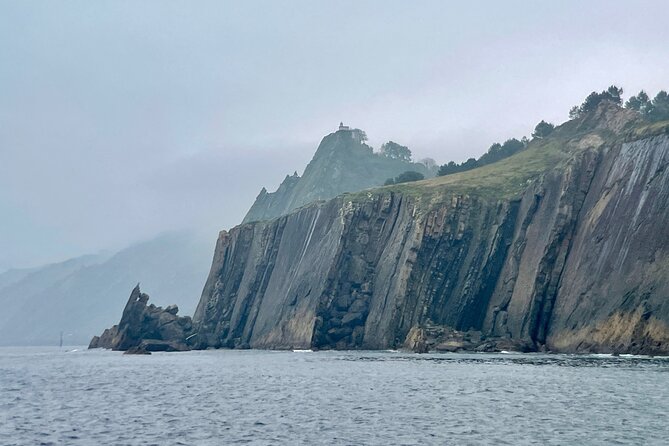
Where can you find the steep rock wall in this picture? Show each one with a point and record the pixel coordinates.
(577, 263)
(614, 291)
(265, 280)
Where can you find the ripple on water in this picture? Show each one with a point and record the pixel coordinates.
(48, 396)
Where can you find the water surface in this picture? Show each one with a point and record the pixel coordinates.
(56, 396)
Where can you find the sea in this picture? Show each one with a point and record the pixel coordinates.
(74, 396)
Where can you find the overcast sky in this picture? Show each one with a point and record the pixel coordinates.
(120, 120)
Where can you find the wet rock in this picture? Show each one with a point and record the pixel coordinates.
(157, 345)
(137, 350)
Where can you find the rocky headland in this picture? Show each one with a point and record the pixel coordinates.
(561, 247)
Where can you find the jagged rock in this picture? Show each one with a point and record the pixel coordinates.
(416, 341)
(146, 327)
(172, 309)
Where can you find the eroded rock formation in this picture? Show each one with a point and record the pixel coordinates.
(146, 328)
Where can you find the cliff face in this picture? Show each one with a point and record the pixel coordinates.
(342, 163)
(564, 246)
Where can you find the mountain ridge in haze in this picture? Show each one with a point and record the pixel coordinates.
(342, 163)
(80, 295)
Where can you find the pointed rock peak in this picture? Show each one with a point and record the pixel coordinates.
(136, 294)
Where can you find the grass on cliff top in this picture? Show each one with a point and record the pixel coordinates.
(509, 177)
(504, 179)
(656, 128)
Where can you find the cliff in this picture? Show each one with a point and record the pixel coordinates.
(342, 163)
(563, 246)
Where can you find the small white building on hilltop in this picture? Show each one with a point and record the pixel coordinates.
(356, 134)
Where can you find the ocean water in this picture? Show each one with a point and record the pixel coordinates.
(59, 396)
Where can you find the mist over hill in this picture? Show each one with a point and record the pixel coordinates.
(343, 162)
(80, 295)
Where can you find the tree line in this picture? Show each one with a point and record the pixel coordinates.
(653, 110)
(495, 153)
(656, 109)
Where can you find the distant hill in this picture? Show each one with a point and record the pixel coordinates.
(81, 295)
(342, 163)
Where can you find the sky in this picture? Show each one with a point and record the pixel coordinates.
(121, 120)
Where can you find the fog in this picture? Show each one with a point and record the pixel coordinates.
(122, 120)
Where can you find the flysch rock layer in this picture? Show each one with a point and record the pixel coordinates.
(578, 261)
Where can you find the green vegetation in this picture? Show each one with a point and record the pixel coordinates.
(362, 135)
(655, 110)
(506, 170)
(543, 129)
(396, 151)
(592, 101)
(495, 153)
(405, 177)
(504, 179)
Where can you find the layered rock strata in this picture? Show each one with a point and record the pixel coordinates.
(574, 259)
